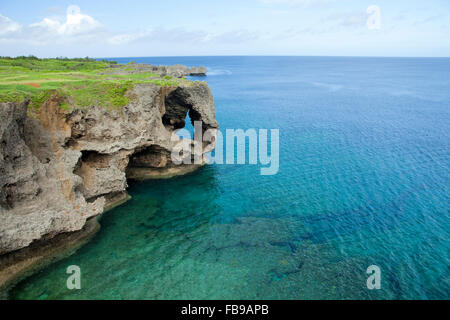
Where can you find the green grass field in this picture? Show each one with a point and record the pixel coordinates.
(82, 82)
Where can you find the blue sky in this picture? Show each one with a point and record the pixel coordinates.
(229, 27)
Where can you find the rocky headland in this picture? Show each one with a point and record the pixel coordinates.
(62, 165)
(177, 70)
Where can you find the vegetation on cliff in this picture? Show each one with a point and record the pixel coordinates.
(82, 82)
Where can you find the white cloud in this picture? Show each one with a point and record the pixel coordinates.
(8, 26)
(76, 27)
(76, 23)
(433, 18)
(349, 19)
(181, 35)
(235, 36)
(126, 38)
(73, 28)
(47, 23)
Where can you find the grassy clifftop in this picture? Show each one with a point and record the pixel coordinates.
(82, 82)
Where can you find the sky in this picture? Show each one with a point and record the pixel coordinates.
(133, 28)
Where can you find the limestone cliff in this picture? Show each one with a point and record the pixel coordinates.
(65, 166)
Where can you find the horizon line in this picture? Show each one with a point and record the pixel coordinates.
(238, 55)
(272, 55)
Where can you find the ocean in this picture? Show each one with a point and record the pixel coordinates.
(363, 180)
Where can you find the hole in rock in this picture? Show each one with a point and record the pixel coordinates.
(177, 108)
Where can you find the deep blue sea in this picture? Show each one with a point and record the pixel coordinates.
(363, 180)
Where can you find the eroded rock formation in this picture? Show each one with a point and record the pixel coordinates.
(176, 71)
(65, 167)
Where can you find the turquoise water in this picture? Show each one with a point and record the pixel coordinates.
(363, 179)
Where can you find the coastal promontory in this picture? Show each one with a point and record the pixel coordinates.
(74, 132)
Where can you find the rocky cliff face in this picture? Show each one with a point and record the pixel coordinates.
(64, 167)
